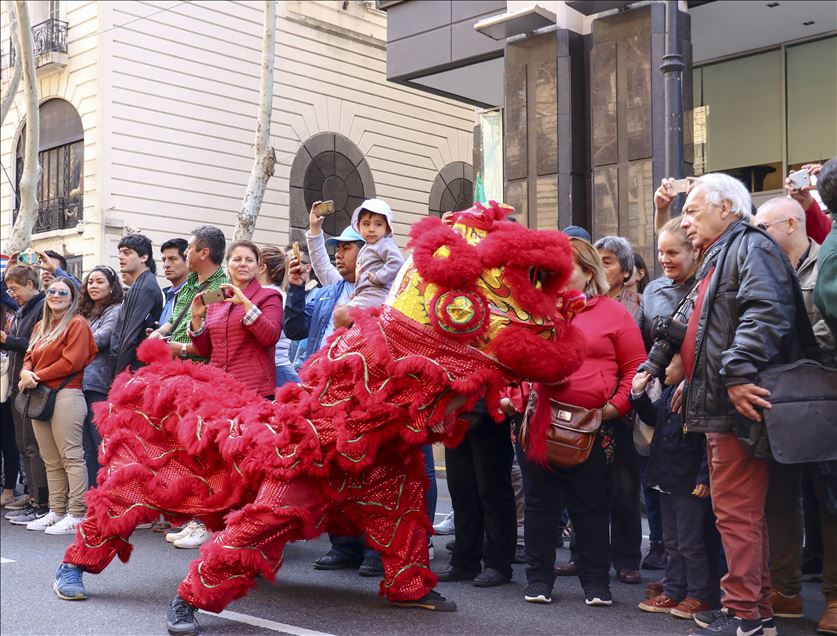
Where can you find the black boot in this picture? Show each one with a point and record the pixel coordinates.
(656, 557)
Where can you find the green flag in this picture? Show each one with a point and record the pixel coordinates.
(479, 191)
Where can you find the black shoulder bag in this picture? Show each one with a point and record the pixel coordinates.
(39, 403)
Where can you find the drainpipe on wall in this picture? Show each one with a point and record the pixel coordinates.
(672, 68)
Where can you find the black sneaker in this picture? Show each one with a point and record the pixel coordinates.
(538, 593)
(598, 596)
(707, 617)
(727, 623)
(28, 515)
(337, 561)
(768, 626)
(180, 618)
(432, 601)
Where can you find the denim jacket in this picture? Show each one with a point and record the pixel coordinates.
(311, 319)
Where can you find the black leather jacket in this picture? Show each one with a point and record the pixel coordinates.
(747, 323)
(17, 340)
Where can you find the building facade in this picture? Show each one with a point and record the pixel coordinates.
(573, 115)
(148, 113)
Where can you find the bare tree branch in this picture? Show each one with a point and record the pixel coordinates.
(21, 237)
(263, 166)
(11, 91)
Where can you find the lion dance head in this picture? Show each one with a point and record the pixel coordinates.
(497, 287)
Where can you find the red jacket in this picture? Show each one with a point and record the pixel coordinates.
(817, 224)
(614, 351)
(245, 351)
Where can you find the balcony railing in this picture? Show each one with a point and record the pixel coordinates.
(50, 35)
(56, 214)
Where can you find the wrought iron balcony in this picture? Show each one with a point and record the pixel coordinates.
(48, 36)
(56, 214)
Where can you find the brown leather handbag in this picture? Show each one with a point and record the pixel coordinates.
(570, 437)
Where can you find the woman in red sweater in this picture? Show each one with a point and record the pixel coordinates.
(614, 351)
(239, 334)
(61, 346)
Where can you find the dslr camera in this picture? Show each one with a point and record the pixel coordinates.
(668, 333)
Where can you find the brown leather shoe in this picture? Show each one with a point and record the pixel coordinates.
(653, 589)
(688, 607)
(828, 622)
(566, 569)
(629, 576)
(660, 604)
(786, 606)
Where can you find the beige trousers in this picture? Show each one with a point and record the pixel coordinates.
(60, 443)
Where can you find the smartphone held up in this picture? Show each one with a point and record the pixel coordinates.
(324, 208)
(213, 296)
(800, 178)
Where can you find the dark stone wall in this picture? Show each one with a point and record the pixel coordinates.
(545, 129)
(627, 131)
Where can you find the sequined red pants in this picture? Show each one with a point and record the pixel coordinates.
(385, 502)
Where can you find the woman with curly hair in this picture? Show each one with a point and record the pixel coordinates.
(61, 347)
(100, 302)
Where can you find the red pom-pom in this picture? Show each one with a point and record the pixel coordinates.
(533, 358)
(460, 269)
(153, 350)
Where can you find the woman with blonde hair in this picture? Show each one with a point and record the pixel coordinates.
(61, 347)
(614, 351)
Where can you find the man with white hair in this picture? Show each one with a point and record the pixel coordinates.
(743, 321)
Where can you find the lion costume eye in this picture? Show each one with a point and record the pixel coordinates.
(536, 264)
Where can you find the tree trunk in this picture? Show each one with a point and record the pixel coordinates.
(265, 157)
(9, 97)
(21, 237)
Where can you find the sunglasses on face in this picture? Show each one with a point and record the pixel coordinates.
(58, 292)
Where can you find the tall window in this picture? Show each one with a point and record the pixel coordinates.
(60, 190)
(740, 127)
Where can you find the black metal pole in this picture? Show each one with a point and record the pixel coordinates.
(672, 68)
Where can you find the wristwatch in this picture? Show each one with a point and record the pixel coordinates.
(183, 352)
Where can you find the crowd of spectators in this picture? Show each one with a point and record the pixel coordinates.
(734, 532)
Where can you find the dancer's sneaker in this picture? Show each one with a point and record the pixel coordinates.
(180, 618)
(68, 584)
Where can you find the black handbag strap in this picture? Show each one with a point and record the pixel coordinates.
(187, 308)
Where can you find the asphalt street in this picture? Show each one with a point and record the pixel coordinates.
(131, 599)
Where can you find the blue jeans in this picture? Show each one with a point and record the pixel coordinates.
(286, 373)
(652, 504)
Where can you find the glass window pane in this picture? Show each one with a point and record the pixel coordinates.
(53, 191)
(812, 94)
(491, 145)
(742, 117)
(76, 171)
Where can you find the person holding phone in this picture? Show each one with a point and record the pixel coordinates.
(237, 325)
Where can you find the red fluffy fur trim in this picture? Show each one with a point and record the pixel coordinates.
(539, 424)
(460, 269)
(153, 350)
(520, 252)
(543, 361)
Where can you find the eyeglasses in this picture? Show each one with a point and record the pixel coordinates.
(764, 226)
(58, 292)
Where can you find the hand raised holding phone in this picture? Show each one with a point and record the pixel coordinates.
(319, 209)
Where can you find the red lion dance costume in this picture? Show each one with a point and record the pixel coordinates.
(478, 307)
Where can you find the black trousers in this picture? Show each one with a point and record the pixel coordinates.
(479, 481)
(623, 491)
(11, 456)
(91, 439)
(584, 490)
(30, 458)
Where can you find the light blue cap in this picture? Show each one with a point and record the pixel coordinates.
(347, 235)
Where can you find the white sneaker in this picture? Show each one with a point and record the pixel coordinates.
(196, 539)
(67, 525)
(445, 526)
(184, 532)
(49, 519)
